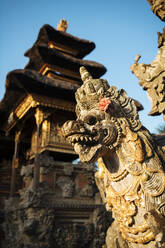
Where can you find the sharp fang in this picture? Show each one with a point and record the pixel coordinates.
(90, 138)
(86, 139)
(81, 138)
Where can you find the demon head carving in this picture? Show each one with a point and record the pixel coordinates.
(100, 110)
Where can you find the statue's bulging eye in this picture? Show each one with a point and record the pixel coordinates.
(90, 120)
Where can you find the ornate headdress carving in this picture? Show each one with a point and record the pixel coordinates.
(89, 95)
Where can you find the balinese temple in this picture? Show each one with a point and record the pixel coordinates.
(47, 199)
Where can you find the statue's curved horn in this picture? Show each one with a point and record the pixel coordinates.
(85, 75)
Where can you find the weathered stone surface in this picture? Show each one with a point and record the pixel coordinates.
(28, 225)
(130, 175)
(67, 212)
(152, 77)
(158, 7)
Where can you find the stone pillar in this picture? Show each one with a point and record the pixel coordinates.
(39, 119)
(14, 163)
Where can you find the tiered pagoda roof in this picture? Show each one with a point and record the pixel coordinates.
(52, 70)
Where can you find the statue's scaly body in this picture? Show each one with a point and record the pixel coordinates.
(130, 173)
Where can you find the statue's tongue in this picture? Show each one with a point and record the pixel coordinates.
(77, 148)
(87, 154)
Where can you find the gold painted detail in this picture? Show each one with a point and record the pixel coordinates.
(34, 100)
(62, 48)
(27, 103)
(20, 111)
(63, 25)
(61, 77)
(57, 69)
(45, 133)
(54, 103)
(45, 68)
(39, 116)
(17, 136)
(23, 108)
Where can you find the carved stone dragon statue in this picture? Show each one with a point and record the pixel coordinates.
(152, 77)
(130, 174)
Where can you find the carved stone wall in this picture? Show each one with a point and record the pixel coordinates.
(65, 211)
(152, 77)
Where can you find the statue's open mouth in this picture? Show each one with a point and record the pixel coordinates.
(89, 141)
(86, 146)
(84, 139)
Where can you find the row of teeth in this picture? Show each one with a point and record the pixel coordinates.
(81, 139)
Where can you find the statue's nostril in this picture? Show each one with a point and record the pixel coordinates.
(105, 132)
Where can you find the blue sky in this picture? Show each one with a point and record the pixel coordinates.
(120, 30)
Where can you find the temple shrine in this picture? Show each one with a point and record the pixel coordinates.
(47, 199)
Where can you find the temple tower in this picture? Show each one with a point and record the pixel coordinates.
(52, 201)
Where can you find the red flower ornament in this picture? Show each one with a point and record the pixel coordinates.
(104, 104)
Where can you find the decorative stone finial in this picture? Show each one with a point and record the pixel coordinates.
(63, 25)
(85, 75)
